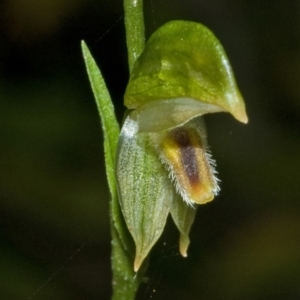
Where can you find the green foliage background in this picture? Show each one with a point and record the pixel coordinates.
(53, 192)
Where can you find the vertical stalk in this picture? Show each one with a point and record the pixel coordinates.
(135, 29)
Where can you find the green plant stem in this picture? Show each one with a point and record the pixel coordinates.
(135, 29)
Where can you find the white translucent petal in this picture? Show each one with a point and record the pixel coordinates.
(168, 113)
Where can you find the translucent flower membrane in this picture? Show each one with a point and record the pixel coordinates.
(163, 165)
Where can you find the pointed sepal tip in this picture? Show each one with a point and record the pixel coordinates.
(184, 243)
(138, 262)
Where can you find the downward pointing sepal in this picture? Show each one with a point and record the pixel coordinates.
(145, 190)
(183, 216)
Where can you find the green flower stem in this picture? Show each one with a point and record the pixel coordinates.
(125, 281)
(135, 29)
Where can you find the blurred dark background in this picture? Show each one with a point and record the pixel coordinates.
(54, 225)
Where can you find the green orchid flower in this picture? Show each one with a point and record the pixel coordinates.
(163, 165)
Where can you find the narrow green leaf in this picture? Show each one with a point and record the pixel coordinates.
(109, 123)
(111, 132)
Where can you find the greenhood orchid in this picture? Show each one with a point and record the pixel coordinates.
(163, 165)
